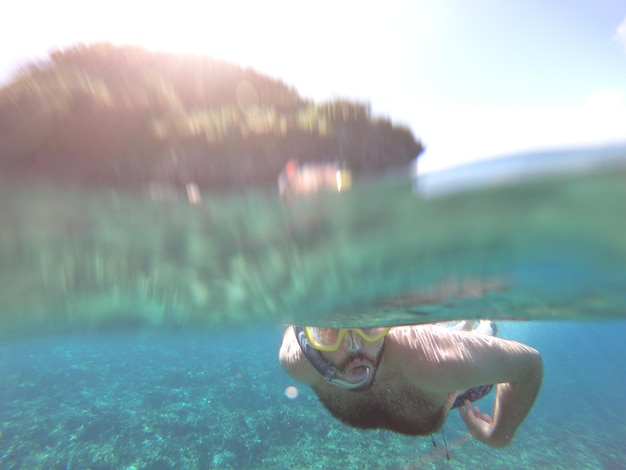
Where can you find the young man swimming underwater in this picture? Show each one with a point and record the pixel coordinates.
(407, 379)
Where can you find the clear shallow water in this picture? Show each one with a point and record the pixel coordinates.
(217, 401)
(144, 334)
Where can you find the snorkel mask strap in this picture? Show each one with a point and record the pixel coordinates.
(332, 375)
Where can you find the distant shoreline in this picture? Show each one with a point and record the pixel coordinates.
(126, 116)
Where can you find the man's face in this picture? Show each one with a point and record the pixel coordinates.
(354, 354)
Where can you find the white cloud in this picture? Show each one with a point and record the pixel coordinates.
(620, 34)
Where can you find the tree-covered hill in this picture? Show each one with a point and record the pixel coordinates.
(128, 116)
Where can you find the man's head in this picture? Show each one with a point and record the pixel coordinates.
(355, 352)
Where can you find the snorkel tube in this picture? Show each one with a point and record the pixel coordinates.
(332, 375)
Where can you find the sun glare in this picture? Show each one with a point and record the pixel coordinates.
(316, 48)
(325, 48)
(274, 37)
(224, 30)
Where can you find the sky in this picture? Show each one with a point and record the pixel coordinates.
(471, 78)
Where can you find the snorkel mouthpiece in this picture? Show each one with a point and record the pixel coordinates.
(331, 374)
(347, 381)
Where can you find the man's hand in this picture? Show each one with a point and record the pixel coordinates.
(479, 425)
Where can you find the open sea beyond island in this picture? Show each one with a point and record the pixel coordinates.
(140, 329)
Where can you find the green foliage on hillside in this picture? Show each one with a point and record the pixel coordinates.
(127, 116)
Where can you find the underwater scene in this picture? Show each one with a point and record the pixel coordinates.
(142, 331)
(207, 400)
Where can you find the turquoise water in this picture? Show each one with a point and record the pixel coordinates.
(143, 332)
(217, 401)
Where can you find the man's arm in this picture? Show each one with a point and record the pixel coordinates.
(513, 402)
(293, 361)
(443, 360)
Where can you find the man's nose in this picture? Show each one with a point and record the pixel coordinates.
(353, 342)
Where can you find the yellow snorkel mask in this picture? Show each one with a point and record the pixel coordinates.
(329, 339)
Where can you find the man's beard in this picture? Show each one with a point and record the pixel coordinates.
(369, 361)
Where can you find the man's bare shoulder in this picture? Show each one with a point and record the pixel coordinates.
(293, 361)
(447, 359)
(424, 338)
(446, 342)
